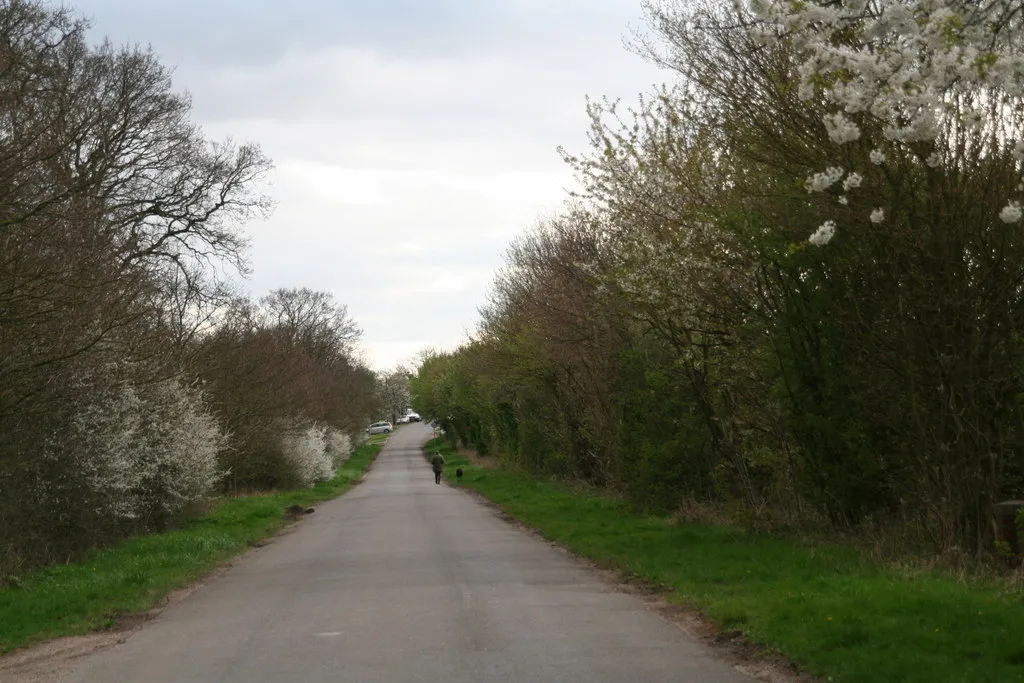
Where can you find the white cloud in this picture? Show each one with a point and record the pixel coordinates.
(411, 145)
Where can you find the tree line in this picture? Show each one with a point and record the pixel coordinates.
(788, 288)
(136, 381)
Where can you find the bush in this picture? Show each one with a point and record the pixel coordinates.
(339, 447)
(183, 444)
(135, 455)
(122, 458)
(306, 459)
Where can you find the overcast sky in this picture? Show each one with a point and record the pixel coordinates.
(413, 139)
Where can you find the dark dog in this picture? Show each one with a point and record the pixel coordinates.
(458, 474)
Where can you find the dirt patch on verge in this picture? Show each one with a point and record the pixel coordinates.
(48, 661)
(757, 661)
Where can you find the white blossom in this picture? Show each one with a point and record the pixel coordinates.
(905, 63)
(305, 450)
(841, 129)
(819, 182)
(142, 454)
(1011, 213)
(878, 215)
(823, 234)
(843, 200)
(852, 181)
(339, 447)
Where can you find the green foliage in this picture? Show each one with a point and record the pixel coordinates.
(132, 577)
(674, 335)
(669, 454)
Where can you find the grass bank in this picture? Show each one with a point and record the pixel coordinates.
(136, 575)
(827, 609)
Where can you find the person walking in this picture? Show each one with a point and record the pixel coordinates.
(437, 462)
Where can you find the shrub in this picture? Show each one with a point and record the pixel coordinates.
(141, 454)
(339, 447)
(183, 441)
(125, 458)
(306, 458)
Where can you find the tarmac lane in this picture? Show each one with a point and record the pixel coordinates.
(403, 580)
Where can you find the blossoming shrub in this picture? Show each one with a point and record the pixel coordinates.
(306, 459)
(129, 458)
(339, 447)
(890, 132)
(182, 442)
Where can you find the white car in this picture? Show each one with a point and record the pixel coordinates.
(380, 428)
(412, 417)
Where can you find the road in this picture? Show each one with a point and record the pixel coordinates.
(401, 580)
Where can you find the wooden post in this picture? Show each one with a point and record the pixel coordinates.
(1006, 523)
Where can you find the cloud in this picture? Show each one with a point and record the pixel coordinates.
(259, 32)
(412, 140)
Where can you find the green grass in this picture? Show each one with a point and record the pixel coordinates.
(825, 608)
(134, 576)
(376, 439)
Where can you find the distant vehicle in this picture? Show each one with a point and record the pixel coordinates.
(380, 428)
(403, 420)
(412, 417)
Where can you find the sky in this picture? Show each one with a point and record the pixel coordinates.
(412, 140)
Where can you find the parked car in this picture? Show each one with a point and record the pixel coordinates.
(412, 417)
(403, 420)
(380, 428)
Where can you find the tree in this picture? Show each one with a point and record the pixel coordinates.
(284, 365)
(907, 78)
(792, 278)
(312, 321)
(393, 392)
(115, 215)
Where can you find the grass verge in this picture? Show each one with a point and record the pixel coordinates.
(136, 575)
(826, 609)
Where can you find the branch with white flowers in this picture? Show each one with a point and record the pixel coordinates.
(913, 69)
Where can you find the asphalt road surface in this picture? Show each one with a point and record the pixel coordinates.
(403, 580)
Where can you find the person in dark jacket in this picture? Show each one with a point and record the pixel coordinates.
(437, 462)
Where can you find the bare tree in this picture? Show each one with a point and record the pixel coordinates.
(110, 193)
(312, 320)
